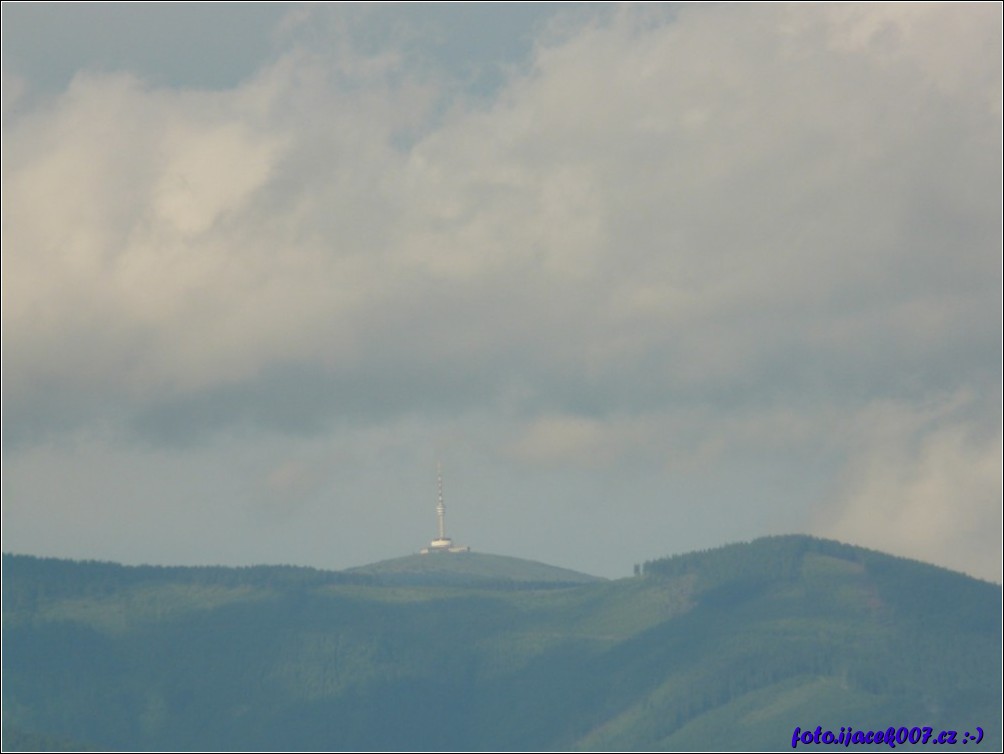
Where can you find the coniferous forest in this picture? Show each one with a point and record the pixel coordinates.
(732, 648)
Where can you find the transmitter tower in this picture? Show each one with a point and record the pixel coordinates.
(441, 543)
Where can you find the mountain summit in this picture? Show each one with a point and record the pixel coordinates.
(732, 648)
(470, 569)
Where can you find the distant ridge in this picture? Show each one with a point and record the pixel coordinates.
(733, 648)
(469, 569)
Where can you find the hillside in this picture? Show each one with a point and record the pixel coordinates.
(470, 569)
(725, 649)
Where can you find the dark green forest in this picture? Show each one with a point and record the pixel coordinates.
(729, 648)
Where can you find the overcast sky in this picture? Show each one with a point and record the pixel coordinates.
(644, 279)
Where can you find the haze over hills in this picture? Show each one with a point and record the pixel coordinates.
(730, 648)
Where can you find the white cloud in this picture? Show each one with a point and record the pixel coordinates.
(923, 482)
(208, 173)
(686, 239)
(636, 197)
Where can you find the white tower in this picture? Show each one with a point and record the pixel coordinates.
(441, 543)
(440, 506)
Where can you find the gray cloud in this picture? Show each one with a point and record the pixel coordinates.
(659, 246)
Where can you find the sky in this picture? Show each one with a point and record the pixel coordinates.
(644, 279)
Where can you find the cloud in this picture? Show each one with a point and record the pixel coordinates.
(632, 210)
(565, 439)
(924, 482)
(696, 236)
(288, 486)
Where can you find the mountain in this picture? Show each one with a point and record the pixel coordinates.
(470, 569)
(731, 648)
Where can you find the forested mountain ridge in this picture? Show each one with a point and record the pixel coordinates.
(728, 648)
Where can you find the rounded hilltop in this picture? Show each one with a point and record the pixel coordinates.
(470, 569)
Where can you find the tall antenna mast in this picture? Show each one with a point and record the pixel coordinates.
(442, 543)
(440, 505)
